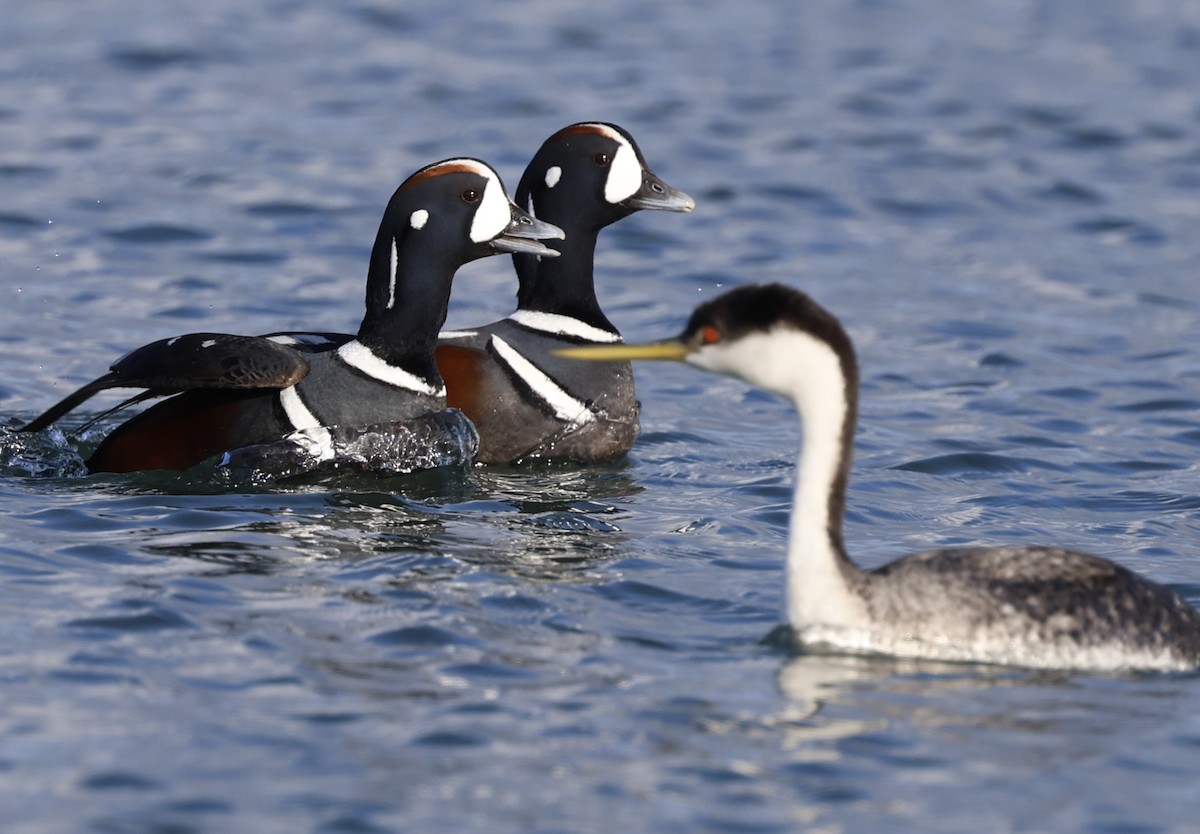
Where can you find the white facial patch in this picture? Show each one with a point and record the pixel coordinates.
(625, 171)
(417, 220)
(553, 175)
(493, 213)
(395, 262)
(791, 363)
(624, 174)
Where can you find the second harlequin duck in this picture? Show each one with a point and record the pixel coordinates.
(237, 391)
(525, 401)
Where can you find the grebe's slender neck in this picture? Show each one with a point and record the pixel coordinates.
(822, 381)
(821, 578)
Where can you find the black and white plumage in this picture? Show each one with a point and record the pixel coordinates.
(183, 363)
(441, 217)
(1041, 607)
(525, 401)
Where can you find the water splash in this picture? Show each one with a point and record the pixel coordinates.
(432, 441)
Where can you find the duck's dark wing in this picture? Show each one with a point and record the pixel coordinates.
(182, 363)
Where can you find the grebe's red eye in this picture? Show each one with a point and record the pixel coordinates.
(710, 335)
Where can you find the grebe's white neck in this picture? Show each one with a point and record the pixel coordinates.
(810, 373)
(1031, 606)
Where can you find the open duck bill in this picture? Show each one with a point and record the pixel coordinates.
(525, 232)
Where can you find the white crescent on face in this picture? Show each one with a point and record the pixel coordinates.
(625, 171)
(494, 212)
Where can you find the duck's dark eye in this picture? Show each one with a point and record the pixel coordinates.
(471, 195)
(601, 158)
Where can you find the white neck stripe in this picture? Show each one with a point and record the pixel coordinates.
(562, 326)
(357, 355)
(392, 277)
(566, 408)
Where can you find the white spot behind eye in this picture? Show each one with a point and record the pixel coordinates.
(493, 213)
(417, 220)
(396, 260)
(624, 174)
(553, 175)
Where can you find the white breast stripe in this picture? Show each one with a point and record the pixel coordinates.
(295, 409)
(457, 334)
(357, 355)
(310, 435)
(566, 408)
(562, 326)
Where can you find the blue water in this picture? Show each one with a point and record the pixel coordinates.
(999, 199)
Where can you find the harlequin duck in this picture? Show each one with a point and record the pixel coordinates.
(239, 391)
(525, 401)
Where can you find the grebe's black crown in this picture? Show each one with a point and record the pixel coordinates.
(760, 308)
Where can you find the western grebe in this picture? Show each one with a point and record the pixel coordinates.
(1043, 607)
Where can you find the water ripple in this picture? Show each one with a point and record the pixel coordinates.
(159, 233)
(968, 463)
(545, 648)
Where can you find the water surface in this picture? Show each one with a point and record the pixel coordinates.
(999, 199)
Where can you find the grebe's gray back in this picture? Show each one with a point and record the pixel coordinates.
(1027, 606)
